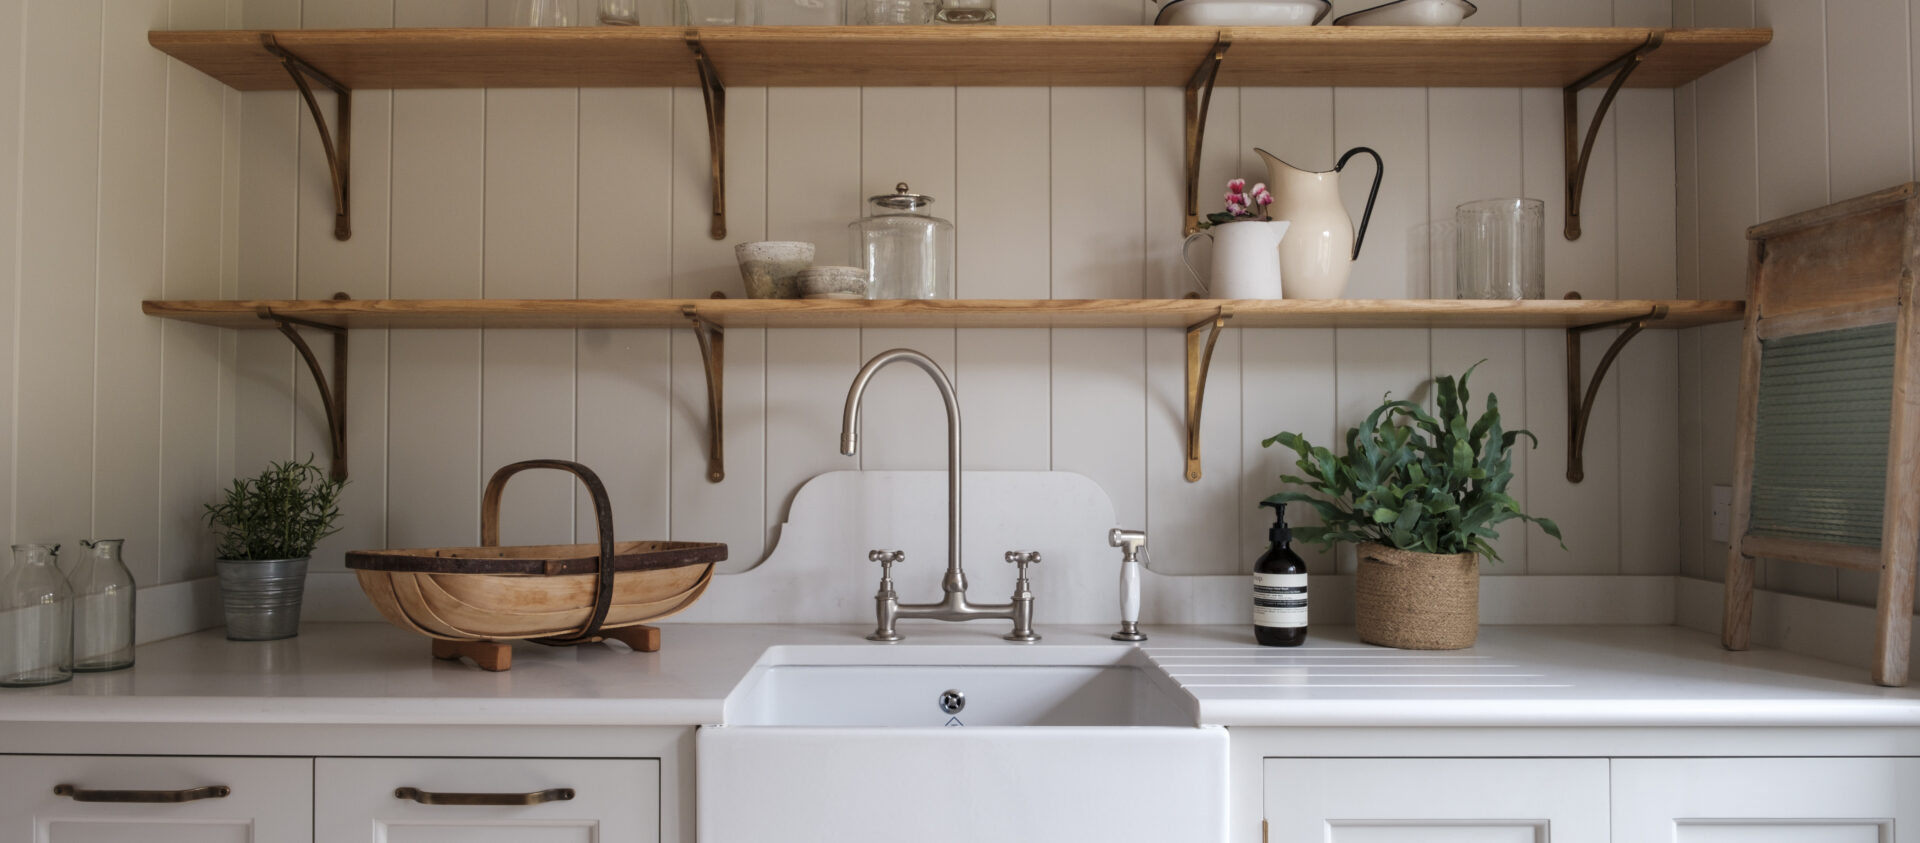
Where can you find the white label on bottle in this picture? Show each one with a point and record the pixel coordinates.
(1280, 600)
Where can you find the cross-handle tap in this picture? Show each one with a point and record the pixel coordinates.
(1022, 596)
(886, 602)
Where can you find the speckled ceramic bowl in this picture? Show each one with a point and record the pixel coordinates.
(833, 282)
(769, 267)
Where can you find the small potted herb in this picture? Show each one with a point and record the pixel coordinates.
(267, 527)
(1421, 497)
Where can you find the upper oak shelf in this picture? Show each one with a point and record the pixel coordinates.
(975, 313)
(1472, 56)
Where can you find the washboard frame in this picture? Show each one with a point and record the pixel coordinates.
(1847, 265)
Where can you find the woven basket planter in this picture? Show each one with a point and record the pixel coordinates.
(1416, 601)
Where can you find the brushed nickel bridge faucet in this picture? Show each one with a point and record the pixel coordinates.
(954, 606)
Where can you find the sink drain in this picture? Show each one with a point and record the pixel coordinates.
(952, 701)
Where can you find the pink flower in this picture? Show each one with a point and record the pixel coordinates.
(1234, 197)
(1236, 186)
(1236, 209)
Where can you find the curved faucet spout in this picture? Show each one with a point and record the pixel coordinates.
(955, 581)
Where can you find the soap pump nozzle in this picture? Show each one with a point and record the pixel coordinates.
(1279, 533)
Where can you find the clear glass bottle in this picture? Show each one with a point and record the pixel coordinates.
(907, 251)
(102, 608)
(890, 12)
(542, 13)
(36, 619)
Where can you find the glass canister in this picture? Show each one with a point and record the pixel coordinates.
(102, 608)
(965, 11)
(36, 619)
(1502, 249)
(905, 249)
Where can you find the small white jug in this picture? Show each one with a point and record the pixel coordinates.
(1246, 259)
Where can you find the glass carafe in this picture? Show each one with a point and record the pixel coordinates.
(36, 619)
(102, 608)
(906, 251)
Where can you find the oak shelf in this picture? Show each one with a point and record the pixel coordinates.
(1475, 56)
(952, 313)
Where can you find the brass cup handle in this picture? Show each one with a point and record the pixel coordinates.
(538, 797)
(192, 794)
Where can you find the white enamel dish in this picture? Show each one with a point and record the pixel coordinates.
(1411, 13)
(1243, 12)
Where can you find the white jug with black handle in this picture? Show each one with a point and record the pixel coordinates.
(1317, 255)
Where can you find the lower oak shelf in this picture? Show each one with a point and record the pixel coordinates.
(950, 313)
(1202, 319)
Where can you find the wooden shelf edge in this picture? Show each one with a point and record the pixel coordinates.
(1022, 313)
(971, 56)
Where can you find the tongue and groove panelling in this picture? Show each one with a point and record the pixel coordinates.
(1063, 193)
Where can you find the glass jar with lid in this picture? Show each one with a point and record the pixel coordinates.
(905, 249)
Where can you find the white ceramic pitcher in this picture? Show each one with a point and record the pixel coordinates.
(1319, 256)
(1246, 261)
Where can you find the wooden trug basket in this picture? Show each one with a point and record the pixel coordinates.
(471, 600)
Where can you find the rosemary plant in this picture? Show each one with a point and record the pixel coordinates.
(281, 514)
(1412, 481)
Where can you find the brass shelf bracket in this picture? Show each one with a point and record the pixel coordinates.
(333, 395)
(715, 95)
(339, 157)
(1579, 401)
(713, 354)
(1199, 97)
(1199, 359)
(1578, 153)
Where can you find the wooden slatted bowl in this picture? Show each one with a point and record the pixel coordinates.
(551, 594)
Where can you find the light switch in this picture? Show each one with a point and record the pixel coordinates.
(1722, 512)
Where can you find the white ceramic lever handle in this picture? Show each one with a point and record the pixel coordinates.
(1130, 591)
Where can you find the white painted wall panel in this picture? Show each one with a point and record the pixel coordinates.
(1822, 114)
(1063, 193)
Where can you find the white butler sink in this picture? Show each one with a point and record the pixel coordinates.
(942, 744)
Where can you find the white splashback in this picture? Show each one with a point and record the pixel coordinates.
(119, 182)
(1055, 192)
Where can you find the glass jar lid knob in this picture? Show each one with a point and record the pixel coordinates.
(901, 199)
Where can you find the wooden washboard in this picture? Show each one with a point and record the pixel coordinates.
(1827, 448)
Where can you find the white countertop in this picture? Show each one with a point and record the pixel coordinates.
(1516, 676)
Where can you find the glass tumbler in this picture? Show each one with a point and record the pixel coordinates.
(906, 251)
(642, 13)
(36, 619)
(1502, 249)
(102, 608)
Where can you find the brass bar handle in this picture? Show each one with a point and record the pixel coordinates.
(538, 797)
(192, 794)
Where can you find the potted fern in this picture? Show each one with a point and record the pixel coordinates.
(1421, 497)
(268, 526)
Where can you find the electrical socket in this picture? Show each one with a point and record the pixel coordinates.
(1722, 510)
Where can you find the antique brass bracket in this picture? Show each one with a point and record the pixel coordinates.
(339, 159)
(1199, 96)
(1578, 153)
(1579, 408)
(333, 396)
(715, 95)
(713, 353)
(1199, 359)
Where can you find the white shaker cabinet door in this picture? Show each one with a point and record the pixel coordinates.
(79, 799)
(1766, 800)
(1436, 800)
(459, 800)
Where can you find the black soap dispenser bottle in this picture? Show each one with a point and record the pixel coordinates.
(1279, 587)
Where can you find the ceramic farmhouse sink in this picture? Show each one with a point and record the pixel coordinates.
(937, 744)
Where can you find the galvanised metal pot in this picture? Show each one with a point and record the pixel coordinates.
(262, 597)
